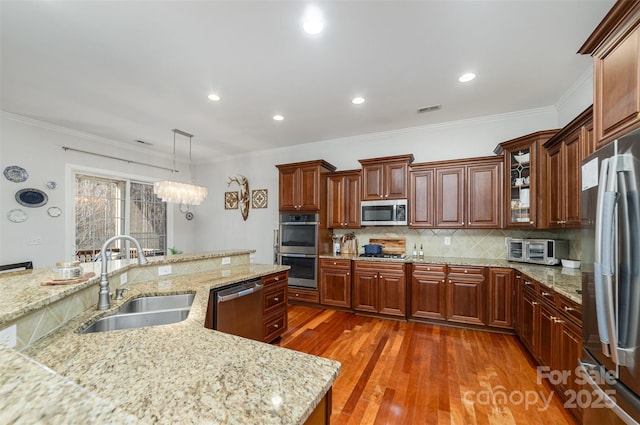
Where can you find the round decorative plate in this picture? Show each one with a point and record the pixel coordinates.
(15, 174)
(17, 215)
(31, 197)
(51, 185)
(54, 212)
(189, 215)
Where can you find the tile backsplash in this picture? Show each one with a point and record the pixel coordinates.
(468, 243)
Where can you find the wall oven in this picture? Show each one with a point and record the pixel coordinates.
(298, 248)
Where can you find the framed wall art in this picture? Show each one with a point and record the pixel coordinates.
(259, 198)
(231, 200)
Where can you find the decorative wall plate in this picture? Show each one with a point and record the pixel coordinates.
(17, 215)
(231, 200)
(51, 185)
(31, 197)
(259, 198)
(54, 212)
(15, 174)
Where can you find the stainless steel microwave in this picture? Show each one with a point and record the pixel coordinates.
(537, 251)
(392, 212)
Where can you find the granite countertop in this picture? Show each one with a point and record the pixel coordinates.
(562, 280)
(177, 373)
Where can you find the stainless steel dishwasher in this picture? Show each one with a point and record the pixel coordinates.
(238, 309)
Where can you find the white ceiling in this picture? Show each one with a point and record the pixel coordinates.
(134, 70)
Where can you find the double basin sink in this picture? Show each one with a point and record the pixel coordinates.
(145, 311)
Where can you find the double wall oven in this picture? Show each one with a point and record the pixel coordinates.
(298, 248)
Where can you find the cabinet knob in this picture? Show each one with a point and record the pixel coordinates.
(466, 271)
(443, 281)
(297, 295)
(532, 223)
(428, 269)
(386, 196)
(276, 299)
(518, 277)
(410, 223)
(462, 223)
(382, 196)
(277, 278)
(534, 302)
(334, 263)
(449, 280)
(275, 326)
(348, 273)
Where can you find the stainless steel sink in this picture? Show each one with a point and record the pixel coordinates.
(155, 303)
(137, 320)
(145, 311)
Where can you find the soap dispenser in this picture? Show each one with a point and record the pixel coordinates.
(415, 252)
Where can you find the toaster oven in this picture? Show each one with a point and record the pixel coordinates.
(537, 251)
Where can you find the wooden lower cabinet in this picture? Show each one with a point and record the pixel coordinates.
(500, 298)
(550, 327)
(334, 283)
(380, 287)
(274, 309)
(465, 295)
(428, 291)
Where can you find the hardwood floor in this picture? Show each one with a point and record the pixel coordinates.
(411, 373)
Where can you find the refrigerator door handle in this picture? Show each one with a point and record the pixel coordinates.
(603, 328)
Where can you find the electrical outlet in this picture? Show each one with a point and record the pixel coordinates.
(164, 270)
(226, 273)
(226, 260)
(123, 278)
(447, 240)
(8, 336)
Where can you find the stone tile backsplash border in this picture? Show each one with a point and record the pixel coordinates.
(468, 243)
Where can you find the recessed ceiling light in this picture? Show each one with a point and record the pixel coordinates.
(312, 22)
(357, 100)
(278, 117)
(214, 97)
(465, 78)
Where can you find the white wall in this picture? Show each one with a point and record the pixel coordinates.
(578, 98)
(37, 147)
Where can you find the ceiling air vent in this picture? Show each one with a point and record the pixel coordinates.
(428, 108)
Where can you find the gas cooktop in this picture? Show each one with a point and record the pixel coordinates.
(397, 256)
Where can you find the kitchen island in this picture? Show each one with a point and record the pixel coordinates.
(177, 373)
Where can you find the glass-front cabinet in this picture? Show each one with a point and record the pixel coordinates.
(520, 184)
(523, 177)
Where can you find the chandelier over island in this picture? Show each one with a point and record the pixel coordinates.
(175, 192)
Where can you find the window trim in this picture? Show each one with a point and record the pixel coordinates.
(70, 177)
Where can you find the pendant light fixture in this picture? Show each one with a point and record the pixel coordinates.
(174, 192)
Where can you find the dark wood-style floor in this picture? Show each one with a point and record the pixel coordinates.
(412, 373)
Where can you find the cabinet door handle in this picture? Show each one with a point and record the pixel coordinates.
(546, 294)
(534, 302)
(526, 282)
(567, 308)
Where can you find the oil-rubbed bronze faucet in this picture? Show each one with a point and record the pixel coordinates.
(104, 303)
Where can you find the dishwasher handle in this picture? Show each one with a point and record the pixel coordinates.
(241, 291)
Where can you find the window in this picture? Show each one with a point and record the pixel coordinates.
(105, 207)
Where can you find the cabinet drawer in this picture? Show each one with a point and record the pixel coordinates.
(305, 295)
(274, 297)
(467, 271)
(570, 308)
(335, 263)
(274, 326)
(530, 284)
(547, 294)
(376, 266)
(430, 268)
(274, 278)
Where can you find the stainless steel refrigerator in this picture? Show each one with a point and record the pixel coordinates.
(610, 365)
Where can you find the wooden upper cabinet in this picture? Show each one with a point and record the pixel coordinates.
(484, 194)
(343, 200)
(450, 185)
(302, 185)
(422, 197)
(615, 48)
(385, 178)
(524, 179)
(565, 152)
(456, 194)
